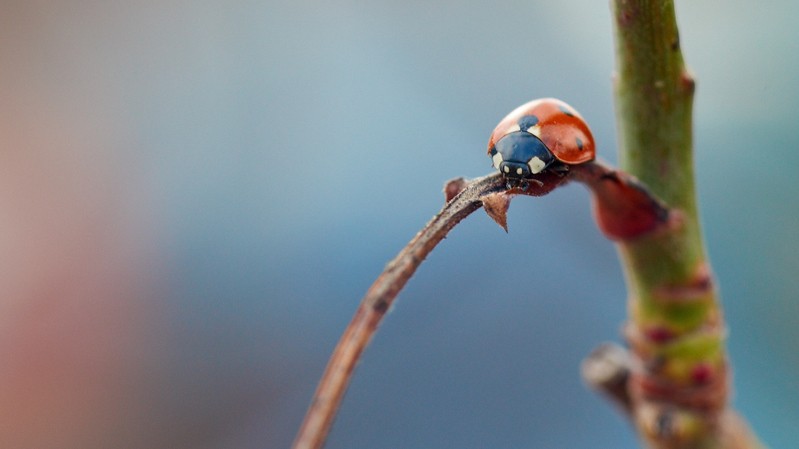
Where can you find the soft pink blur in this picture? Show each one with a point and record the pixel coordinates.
(77, 293)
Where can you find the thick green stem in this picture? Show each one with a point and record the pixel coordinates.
(679, 395)
(654, 96)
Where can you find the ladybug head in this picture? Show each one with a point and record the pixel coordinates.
(520, 155)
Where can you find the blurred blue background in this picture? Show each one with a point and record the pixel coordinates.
(194, 196)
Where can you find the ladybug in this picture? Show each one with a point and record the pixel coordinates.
(544, 134)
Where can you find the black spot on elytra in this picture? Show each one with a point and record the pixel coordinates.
(579, 143)
(566, 110)
(527, 121)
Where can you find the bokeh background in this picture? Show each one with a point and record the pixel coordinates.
(195, 195)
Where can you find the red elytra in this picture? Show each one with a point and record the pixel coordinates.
(559, 126)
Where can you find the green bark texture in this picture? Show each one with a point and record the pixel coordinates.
(680, 391)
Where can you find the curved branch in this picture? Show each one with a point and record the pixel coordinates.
(378, 301)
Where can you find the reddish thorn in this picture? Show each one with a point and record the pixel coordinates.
(659, 334)
(688, 82)
(702, 374)
(624, 209)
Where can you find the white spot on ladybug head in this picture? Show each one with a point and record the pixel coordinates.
(513, 129)
(536, 165)
(496, 159)
(519, 171)
(507, 170)
(535, 130)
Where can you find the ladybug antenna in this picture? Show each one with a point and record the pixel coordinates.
(523, 184)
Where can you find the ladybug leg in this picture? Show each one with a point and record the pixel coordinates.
(560, 169)
(536, 181)
(523, 184)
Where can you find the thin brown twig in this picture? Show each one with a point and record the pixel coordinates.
(375, 304)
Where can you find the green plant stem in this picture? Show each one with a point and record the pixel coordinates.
(654, 99)
(679, 396)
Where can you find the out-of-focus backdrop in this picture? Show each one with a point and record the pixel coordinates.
(195, 195)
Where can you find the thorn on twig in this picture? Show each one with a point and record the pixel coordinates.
(496, 206)
(464, 197)
(453, 187)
